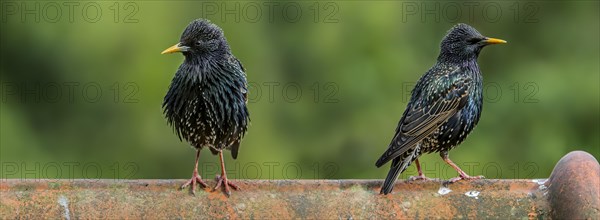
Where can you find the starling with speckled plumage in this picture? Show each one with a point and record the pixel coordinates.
(206, 101)
(444, 107)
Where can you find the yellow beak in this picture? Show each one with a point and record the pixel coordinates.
(494, 41)
(175, 48)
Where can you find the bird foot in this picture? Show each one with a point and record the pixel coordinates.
(420, 177)
(195, 179)
(464, 177)
(222, 180)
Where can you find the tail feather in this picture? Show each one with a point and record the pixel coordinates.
(399, 164)
(393, 174)
(234, 149)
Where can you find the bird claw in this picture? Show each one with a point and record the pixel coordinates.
(464, 177)
(222, 180)
(420, 177)
(195, 179)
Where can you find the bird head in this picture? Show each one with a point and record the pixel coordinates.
(463, 42)
(201, 38)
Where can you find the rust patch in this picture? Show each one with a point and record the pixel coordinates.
(310, 199)
(286, 199)
(574, 187)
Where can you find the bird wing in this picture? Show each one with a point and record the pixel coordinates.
(243, 87)
(429, 107)
(239, 64)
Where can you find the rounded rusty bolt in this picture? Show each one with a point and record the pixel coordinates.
(574, 187)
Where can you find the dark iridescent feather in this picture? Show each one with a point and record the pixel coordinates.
(425, 115)
(445, 105)
(206, 101)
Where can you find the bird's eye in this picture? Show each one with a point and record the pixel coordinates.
(473, 40)
(198, 43)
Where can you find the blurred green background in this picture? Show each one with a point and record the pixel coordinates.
(82, 89)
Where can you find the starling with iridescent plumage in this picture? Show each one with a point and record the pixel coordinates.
(444, 107)
(206, 101)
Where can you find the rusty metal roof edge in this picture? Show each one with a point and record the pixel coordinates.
(572, 191)
(265, 185)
